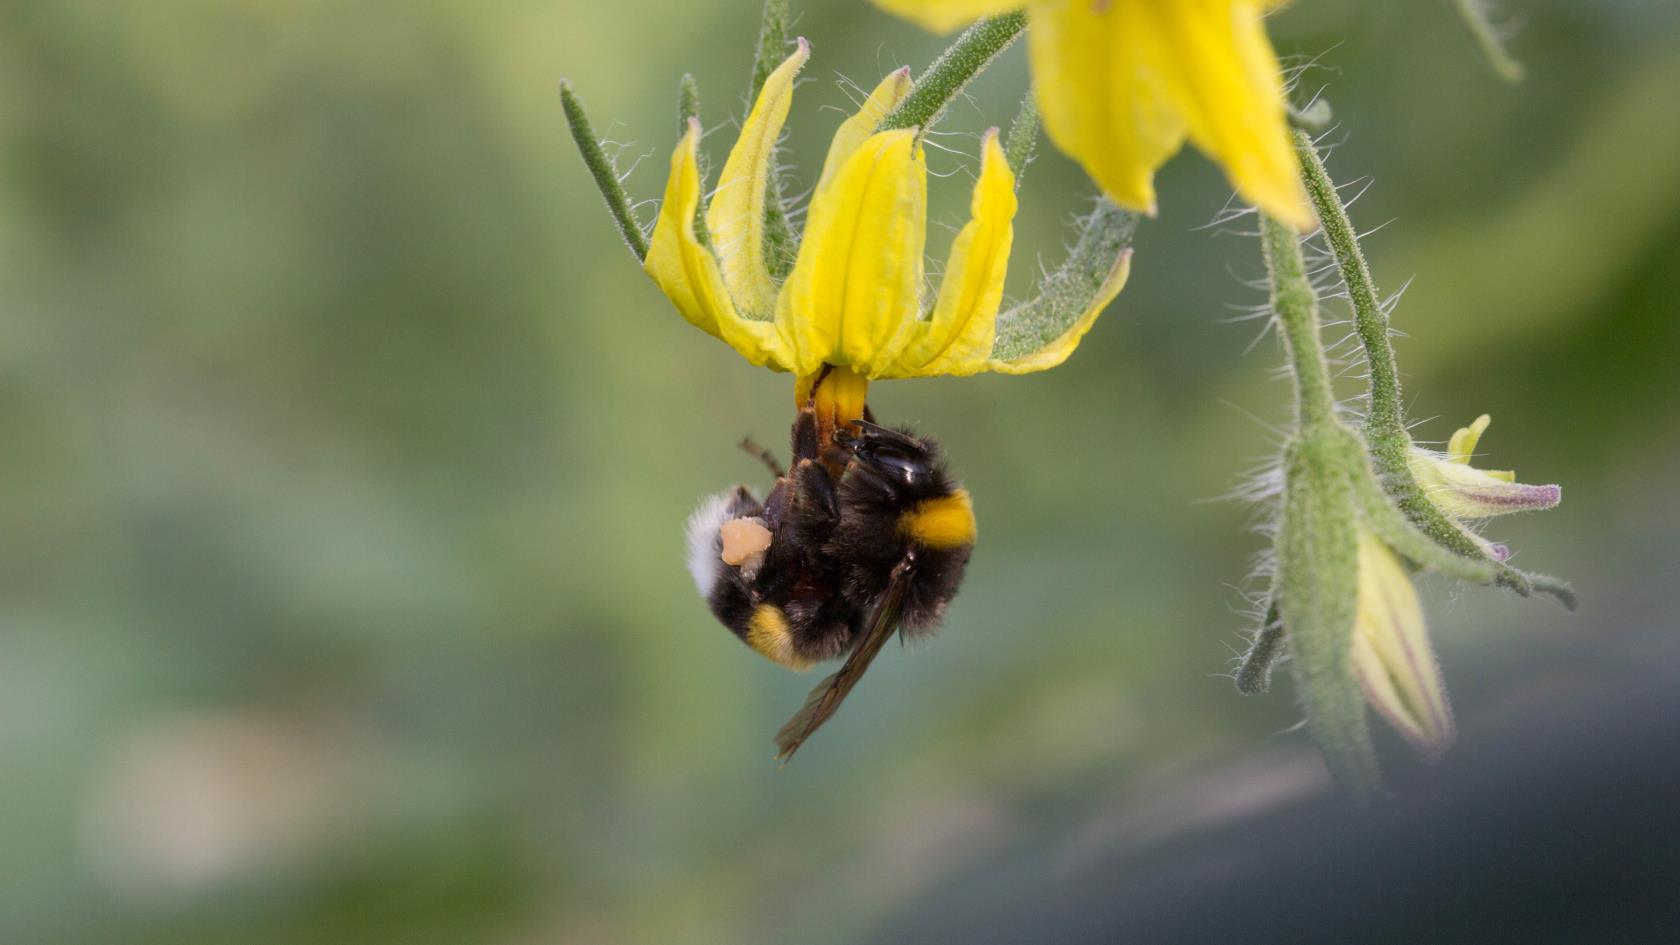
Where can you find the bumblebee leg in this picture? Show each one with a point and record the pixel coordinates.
(742, 504)
(806, 508)
(807, 439)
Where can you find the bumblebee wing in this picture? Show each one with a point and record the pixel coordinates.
(825, 700)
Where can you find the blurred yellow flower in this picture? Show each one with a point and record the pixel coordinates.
(852, 304)
(1122, 83)
(1391, 654)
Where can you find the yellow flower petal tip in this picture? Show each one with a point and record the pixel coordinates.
(1391, 654)
(736, 215)
(857, 129)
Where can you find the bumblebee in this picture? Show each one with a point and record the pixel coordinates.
(866, 534)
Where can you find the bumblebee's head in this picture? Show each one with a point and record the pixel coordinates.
(908, 466)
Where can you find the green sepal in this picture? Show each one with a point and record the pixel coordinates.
(1022, 141)
(1067, 293)
(957, 66)
(688, 106)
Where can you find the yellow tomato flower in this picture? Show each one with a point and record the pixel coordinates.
(1122, 83)
(1391, 654)
(1464, 492)
(852, 306)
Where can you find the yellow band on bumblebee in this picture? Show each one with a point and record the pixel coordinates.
(943, 523)
(767, 632)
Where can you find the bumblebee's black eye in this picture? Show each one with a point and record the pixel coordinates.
(895, 462)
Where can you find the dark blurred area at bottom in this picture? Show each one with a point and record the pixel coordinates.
(1562, 828)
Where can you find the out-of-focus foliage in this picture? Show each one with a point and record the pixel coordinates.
(341, 597)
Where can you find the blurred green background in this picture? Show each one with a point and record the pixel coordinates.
(347, 456)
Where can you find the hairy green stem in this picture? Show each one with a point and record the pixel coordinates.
(1385, 423)
(601, 168)
(973, 51)
(1296, 309)
(1316, 587)
(1475, 16)
(1383, 418)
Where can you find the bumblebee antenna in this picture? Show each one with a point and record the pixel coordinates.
(752, 448)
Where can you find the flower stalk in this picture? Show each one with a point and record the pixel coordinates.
(1316, 584)
(1391, 446)
(1360, 513)
(1296, 308)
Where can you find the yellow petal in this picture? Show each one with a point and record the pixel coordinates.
(957, 340)
(942, 16)
(1121, 83)
(688, 273)
(1056, 350)
(859, 272)
(857, 129)
(1229, 89)
(736, 215)
(1102, 93)
(1462, 446)
(1391, 652)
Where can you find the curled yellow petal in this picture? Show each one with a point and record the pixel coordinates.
(1391, 654)
(1229, 89)
(1120, 84)
(736, 215)
(1101, 89)
(858, 276)
(942, 16)
(957, 340)
(1055, 349)
(855, 130)
(688, 273)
